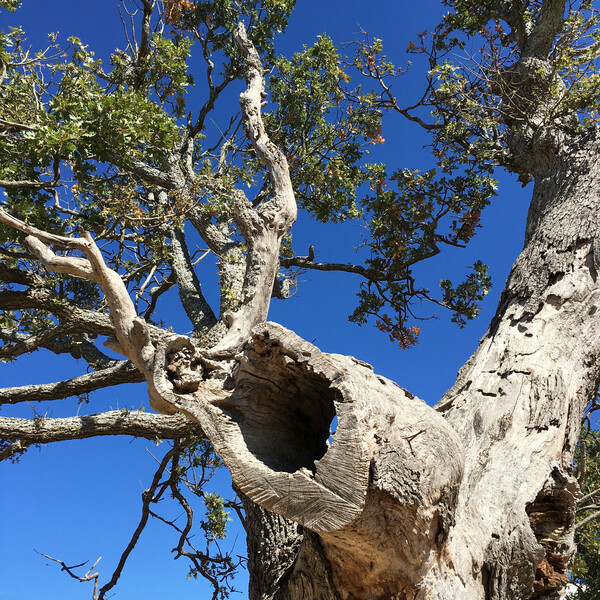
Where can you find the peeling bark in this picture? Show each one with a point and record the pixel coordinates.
(518, 403)
(403, 503)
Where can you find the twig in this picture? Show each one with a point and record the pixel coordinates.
(89, 576)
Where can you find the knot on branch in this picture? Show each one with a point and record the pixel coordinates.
(174, 373)
(184, 370)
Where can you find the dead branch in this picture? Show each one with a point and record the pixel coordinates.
(89, 576)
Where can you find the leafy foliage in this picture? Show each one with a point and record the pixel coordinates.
(324, 135)
(585, 571)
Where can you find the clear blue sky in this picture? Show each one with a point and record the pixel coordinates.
(81, 500)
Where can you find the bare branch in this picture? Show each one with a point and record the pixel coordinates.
(168, 180)
(269, 154)
(13, 275)
(77, 348)
(92, 322)
(589, 496)
(587, 520)
(38, 185)
(8, 125)
(264, 227)
(306, 262)
(116, 422)
(190, 291)
(214, 237)
(48, 238)
(11, 451)
(147, 498)
(123, 372)
(89, 576)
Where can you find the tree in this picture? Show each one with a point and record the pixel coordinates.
(475, 497)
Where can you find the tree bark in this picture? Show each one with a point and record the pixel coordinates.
(400, 505)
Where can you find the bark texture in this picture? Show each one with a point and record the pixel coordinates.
(354, 488)
(391, 459)
(481, 510)
(517, 404)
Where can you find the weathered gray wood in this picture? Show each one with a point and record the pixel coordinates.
(517, 404)
(393, 459)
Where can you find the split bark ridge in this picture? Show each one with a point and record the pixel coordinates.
(370, 493)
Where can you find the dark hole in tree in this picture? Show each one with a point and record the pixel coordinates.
(284, 411)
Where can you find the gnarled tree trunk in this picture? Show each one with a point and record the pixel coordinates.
(403, 503)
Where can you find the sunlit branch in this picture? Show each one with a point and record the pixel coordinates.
(131, 331)
(33, 342)
(548, 24)
(42, 430)
(89, 576)
(77, 348)
(124, 372)
(8, 125)
(37, 185)
(587, 520)
(168, 180)
(148, 496)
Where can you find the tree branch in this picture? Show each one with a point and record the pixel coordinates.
(268, 153)
(306, 262)
(38, 185)
(190, 292)
(587, 520)
(548, 24)
(131, 331)
(8, 125)
(124, 372)
(264, 227)
(148, 497)
(33, 342)
(76, 348)
(89, 576)
(116, 422)
(92, 322)
(167, 180)
(14, 275)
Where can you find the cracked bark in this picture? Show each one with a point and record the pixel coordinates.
(503, 526)
(518, 402)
